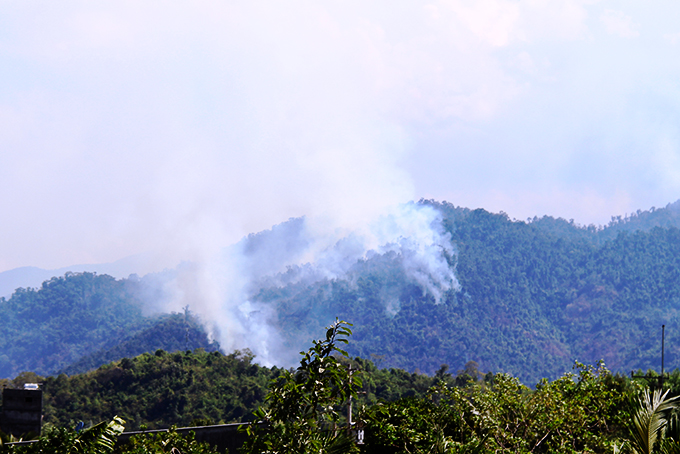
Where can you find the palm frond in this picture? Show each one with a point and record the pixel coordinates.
(102, 437)
(651, 413)
(340, 444)
(671, 442)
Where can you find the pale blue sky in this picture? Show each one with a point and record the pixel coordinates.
(179, 127)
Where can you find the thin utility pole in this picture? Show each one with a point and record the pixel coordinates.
(663, 342)
(660, 378)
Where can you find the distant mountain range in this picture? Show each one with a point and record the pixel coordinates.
(530, 297)
(32, 277)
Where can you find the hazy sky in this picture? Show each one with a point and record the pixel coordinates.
(169, 126)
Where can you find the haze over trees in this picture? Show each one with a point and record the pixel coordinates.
(80, 321)
(532, 297)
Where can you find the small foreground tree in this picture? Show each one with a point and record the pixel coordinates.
(302, 410)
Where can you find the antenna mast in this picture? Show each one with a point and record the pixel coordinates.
(663, 342)
(661, 377)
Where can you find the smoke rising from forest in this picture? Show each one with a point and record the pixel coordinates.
(222, 290)
(130, 127)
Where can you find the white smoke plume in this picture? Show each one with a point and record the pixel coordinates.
(220, 290)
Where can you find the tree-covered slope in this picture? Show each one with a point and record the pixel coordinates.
(533, 297)
(171, 333)
(80, 321)
(194, 387)
(158, 390)
(48, 328)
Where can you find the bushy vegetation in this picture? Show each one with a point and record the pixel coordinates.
(584, 411)
(589, 410)
(189, 388)
(160, 390)
(102, 439)
(303, 409)
(581, 412)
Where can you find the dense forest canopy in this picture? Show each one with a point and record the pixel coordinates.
(186, 388)
(532, 297)
(80, 321)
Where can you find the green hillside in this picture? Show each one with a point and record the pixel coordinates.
(173, 332)
(81, 321)
(588, 410)
(189, 388)
(48, 328)
(161, 389)
(534, 296)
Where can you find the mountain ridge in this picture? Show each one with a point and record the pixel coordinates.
(532, 297)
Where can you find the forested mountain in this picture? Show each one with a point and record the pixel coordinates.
(48, 328)
(80, 321)
(174, 332)
(531, 297)
(534, 296)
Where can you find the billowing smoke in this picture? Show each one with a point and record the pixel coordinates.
(222, 290)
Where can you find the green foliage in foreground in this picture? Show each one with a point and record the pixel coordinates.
(580, 412)
(302, 411)
(165, 442)
(589, 410)
(586, 411)
(98, 439)
(650, 420)
(101, 439)
(195, 388)
(158, 390)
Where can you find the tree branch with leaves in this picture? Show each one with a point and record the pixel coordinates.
(302, 413)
